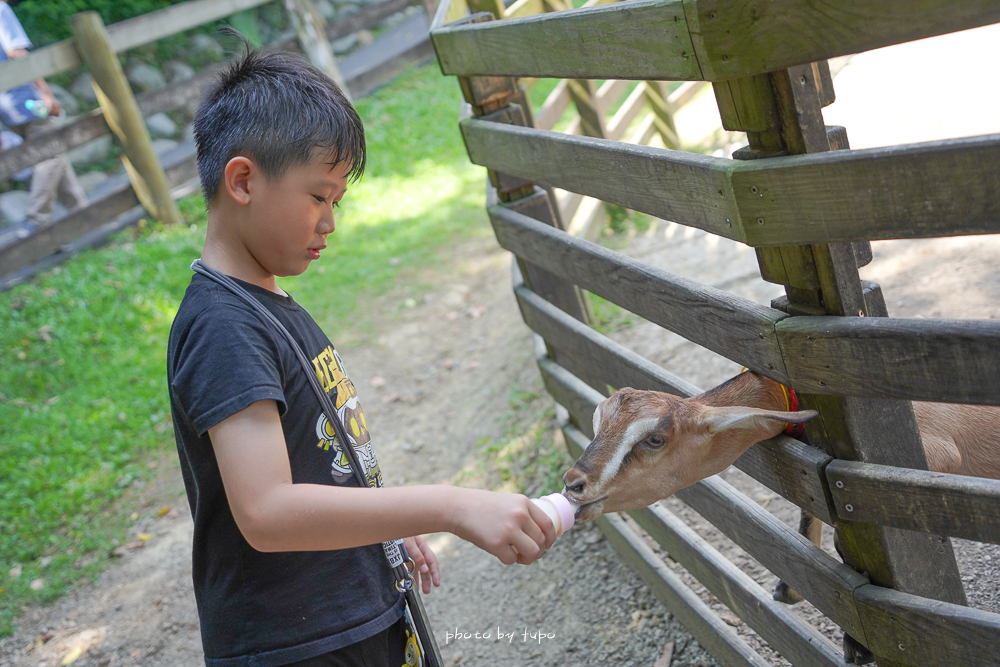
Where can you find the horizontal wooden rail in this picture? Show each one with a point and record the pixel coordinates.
(938, 188)
(124, 35)
(711, 631)
(817, 576)
(952, 361)
(783, 464)
(912, 630)
(640, 39)
(913, 191)
(742, 37)
(774, 621)
(695, 39)
(929, 502)
(180, 167)
(691, 189)
(729, 325)
(92, 125)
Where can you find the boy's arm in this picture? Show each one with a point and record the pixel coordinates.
(275, 515)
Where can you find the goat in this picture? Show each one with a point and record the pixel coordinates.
(648, 445)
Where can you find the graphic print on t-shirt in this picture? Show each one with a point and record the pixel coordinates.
(331, 373)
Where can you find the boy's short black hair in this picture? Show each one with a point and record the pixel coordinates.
(278, 110)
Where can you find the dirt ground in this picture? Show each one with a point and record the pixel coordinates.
(448, 365)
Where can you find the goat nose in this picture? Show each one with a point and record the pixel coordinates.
(574, 480)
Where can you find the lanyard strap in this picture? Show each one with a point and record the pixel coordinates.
(395, 552)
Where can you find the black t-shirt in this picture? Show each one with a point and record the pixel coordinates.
(261, 609)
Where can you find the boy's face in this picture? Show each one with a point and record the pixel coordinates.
(291, 216)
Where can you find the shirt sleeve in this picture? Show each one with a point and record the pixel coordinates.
(228, 361)
(12, 35)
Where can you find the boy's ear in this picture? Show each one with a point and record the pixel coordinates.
(236, 178)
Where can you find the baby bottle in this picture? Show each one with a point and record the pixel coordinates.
(558, 508)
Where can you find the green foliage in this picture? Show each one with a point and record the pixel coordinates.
(84, 402)
(47, 21)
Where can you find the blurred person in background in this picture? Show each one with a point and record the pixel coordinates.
(30, 110)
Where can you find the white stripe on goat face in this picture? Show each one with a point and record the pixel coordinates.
(636, 431)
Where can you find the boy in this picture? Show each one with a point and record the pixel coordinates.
(27, 110)
(288, 568)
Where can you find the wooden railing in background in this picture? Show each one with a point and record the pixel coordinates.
(809, 206)
(22, 247)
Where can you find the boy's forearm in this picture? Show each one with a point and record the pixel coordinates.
(313, 517)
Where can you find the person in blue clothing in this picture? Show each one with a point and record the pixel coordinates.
(29, 110)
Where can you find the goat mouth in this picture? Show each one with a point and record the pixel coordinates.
(582, 506)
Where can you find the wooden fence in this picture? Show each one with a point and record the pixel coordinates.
(810, 207)
(24, 249)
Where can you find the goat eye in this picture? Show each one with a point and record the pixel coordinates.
(655, 441)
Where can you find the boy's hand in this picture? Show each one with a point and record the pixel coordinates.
(425, 565)
(507, 525)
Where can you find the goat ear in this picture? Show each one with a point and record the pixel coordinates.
(768, 423)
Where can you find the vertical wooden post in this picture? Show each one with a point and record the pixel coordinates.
(310, 25)
(782, 114)
(123, 117)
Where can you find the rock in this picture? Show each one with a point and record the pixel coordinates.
(90, 152)
(348, 8)
(13, 206)
(146, 77)
(325, 8)
(202, 42)
(161, 146)
(83, 88)
(91, 180)
(160, 125)
(344, 44)
(188, 134)
(178, 70)
(365, 37)
(394, 20)
(66, 100)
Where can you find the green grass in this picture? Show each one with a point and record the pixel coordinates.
(83, 401)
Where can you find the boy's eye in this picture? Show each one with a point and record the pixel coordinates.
(321, 200)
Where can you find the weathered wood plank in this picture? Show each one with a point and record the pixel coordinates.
(938, 188)
(951, 361)
(817, 576)
(21, 252)
(916, 631)
(610, 91)
(682, 602)
(743, 38)
(553, 107)
(641, 39)
(733, 327)
(711, 631)
(929, 502)
(673, 185)
(774, 621)
(633, 105)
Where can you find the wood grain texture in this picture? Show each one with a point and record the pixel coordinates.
(917, 631)
(784, 465)
(929, 502)
(825, 582)
(774, 621)
(733, 327)
(938, 188)
(691, 189)
(743, 38)
(641, 39)
(950, 361)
